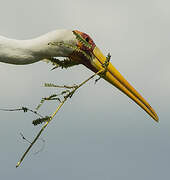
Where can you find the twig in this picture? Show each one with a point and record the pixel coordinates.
(69, 95)
(25, 109)
(52, 116)
(23, 137)
(58, 86)
(42, 129)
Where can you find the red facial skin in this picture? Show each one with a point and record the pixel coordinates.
(88, 39)
(79, 56)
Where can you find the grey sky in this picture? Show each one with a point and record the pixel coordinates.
(100, 134)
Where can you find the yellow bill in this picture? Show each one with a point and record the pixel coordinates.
(115, 78)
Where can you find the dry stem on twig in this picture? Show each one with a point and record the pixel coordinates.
(68, 95)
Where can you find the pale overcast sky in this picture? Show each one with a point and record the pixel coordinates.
(99, 134)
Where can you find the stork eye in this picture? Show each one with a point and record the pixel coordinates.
(87, 39)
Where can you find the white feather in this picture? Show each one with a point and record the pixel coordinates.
(29, 51)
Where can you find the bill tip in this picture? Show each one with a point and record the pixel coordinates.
(156, 118)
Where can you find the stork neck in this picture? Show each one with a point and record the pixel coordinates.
(29, 51)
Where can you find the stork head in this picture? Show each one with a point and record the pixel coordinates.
(95, 62)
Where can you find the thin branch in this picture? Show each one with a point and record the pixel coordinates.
(43, 141)
(23, 137)
(25, 109)
(52, 116)
(58, 86)
(42, 129)
(69, 95)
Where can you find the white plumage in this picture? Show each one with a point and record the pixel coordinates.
(29, 51)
